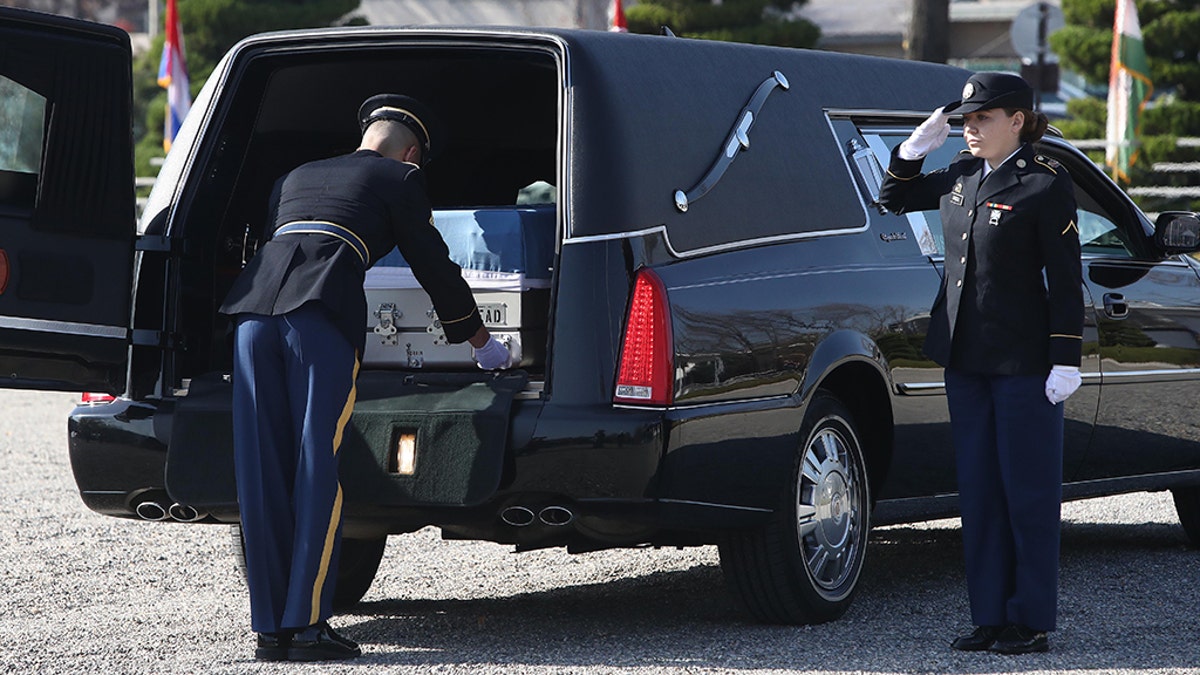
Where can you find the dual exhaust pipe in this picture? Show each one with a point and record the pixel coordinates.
(516, 516)
(522, 516)
(152, 510)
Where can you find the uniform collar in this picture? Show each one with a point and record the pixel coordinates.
(987, 169)
(1007, 175)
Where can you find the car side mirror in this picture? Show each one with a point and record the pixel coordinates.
(1177, 232)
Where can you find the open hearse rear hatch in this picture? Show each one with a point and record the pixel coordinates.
(282, 102)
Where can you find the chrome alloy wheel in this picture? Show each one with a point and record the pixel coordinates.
(830, 503)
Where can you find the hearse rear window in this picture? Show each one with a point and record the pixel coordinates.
(22, 125)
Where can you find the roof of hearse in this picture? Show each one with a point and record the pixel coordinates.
(650, 114)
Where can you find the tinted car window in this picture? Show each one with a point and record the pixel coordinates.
(22, 124)
(1098, 229)
(884, 143)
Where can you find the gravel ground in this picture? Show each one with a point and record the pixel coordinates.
(92, 594)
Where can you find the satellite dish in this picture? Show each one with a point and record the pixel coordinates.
(1025, 30)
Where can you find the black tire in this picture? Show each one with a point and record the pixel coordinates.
(803, 566)
(1187, 505)
(356, 570)
(357, 566)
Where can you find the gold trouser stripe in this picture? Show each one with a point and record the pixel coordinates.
(335, 518)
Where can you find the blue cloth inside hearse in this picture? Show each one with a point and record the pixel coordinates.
(516, 240)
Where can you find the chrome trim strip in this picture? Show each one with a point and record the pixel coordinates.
(1150, 373)
(1134, 262)
(745, 243)
(63, 327)
(805, 273)
(689, 502)
(906, 387)
(706, 404)
(914, 387)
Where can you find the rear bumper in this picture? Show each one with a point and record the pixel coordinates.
(118, 451)
(598, 464)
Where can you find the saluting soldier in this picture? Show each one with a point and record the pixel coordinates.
(1007, 327)
(300, 311)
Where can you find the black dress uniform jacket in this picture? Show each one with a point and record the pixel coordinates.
(373, 203)
(996, 312)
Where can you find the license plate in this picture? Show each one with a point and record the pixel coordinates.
(494, 314)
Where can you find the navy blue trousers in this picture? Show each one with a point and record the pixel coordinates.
(293, 391)
(1008, 443)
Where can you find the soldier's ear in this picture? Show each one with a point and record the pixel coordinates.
(1018, 120)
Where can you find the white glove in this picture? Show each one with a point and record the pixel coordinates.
(927, 137)
(492, 355)
(1062, 382)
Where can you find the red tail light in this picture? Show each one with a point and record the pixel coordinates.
(647, 372)
(96, 397)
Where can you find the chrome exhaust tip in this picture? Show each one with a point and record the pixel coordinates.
(184, 513)
(517, 516)
(556, 516)
(150, 510)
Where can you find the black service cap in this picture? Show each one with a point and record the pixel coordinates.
(408, 111)
(985, 91)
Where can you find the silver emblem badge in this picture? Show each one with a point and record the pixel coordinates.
(968, 91)
(994, 218)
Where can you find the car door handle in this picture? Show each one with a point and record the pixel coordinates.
(1115, 306)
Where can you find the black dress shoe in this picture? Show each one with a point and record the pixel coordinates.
(321, 643)
(1018, 639)
(977, 640)
(273, 646)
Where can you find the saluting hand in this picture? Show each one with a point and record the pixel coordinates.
(927, 137)
(1062, 382)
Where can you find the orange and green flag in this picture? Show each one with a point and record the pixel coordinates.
(1129, 88)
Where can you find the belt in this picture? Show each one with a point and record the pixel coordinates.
(332, 229)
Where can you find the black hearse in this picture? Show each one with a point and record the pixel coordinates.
(723, 346)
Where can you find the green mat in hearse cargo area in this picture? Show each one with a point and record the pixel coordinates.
(460, 421)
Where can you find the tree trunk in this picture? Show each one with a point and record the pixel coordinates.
(929, 32)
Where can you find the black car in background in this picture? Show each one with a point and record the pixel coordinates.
(719, 329)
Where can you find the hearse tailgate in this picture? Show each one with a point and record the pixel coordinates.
(419, 439)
